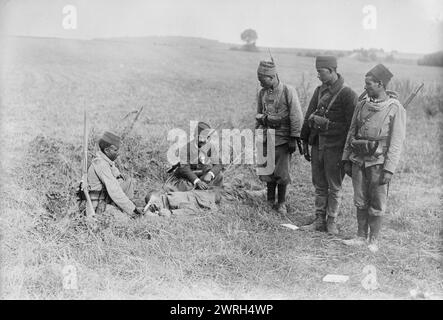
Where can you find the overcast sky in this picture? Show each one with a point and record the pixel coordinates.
(405, 25)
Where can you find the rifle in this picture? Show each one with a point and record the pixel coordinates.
(298, 140)
(272, 59)
(412, 95)
(90, 212)
(407, 101)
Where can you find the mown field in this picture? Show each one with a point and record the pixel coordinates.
(239, 252)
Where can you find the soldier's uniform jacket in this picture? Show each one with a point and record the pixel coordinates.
(383, 122)
(283, 109)
(198, 162)
(339, 114)
(103, 182)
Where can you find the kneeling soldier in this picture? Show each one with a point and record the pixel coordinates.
(199, 168)
(107, 186)
(372, 152)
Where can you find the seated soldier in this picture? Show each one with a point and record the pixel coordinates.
(199, 169)
(108, 188)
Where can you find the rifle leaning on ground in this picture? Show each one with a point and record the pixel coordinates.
(298, 140)
(90, 212)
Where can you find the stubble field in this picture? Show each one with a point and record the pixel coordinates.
(239, 252)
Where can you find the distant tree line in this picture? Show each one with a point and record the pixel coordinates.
(249, 36)
(432, 59)
(315, 53)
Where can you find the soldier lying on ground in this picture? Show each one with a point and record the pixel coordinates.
(165, 203)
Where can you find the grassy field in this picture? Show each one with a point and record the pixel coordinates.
(239, 252)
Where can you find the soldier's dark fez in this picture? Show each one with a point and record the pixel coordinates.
(111, 138)
(381, 73)
(326, 62)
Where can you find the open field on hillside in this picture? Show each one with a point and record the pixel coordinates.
(241, 251)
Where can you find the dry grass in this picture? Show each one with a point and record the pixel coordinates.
(240, 251)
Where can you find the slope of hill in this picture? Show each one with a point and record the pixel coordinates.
(240, 251)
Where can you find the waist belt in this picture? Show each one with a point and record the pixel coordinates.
(368, 147)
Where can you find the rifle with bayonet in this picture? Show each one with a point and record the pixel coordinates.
(90, 212)
(407, 101)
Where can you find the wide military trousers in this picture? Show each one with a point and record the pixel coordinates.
(327, 178)
(282, 161)
(369, 194)
(100, 200)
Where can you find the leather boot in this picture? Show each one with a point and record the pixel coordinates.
(362, 223)
(362, 229)
(319, 224)
(374, 228)
(270, 199)
(331, 226)
(281, 208)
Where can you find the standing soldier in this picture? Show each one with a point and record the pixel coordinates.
(108, 187)
(278, 108)
(325, 127)
(372, 152)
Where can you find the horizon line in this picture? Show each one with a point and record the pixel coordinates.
(201, 38)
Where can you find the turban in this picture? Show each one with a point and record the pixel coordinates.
(267, 68)
(326, 62)
(111, 138)
(381, 73)
(201, 126)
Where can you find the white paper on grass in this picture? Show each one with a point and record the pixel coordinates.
(290, 226)
(338, 278)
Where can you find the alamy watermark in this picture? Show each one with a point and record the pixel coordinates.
(230, 146)
(70, 277)
(69, 21)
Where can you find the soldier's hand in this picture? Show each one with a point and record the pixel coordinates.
(385, 177)
(292, 145)
(201, 185)
(207, 178)
(306, 151)
(347, 168)
(261, 118)
(138, 212)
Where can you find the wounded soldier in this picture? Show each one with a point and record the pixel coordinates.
(165, 203)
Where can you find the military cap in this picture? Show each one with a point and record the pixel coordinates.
(326, 62)
(267, 68)
(111, 138)
(381, 73)
(202, 126)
